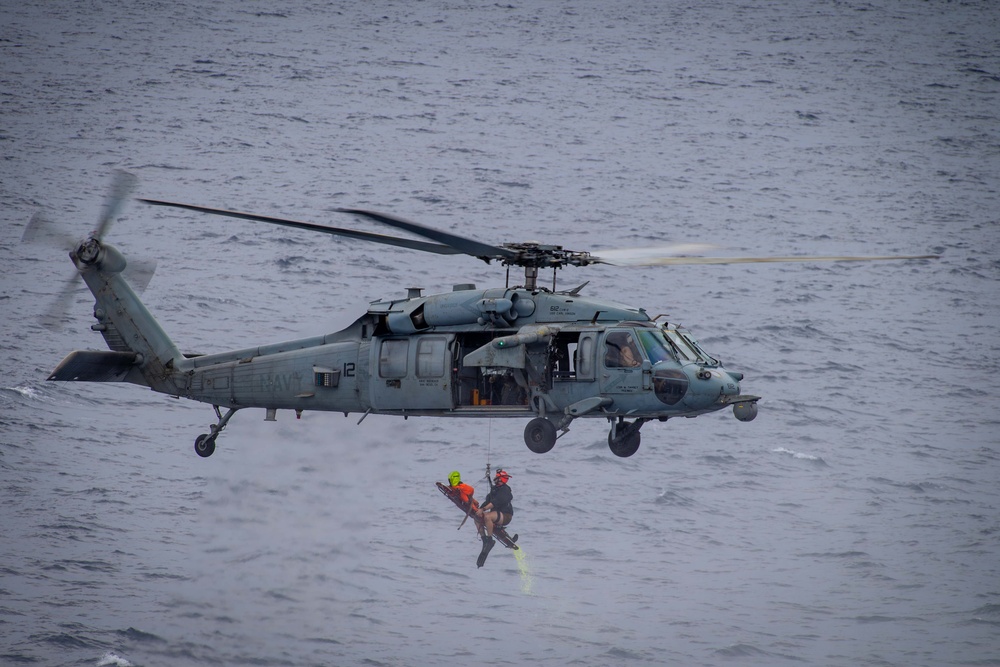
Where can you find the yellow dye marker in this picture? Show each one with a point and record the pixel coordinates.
(522, 565)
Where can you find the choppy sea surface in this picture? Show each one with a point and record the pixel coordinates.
(855, 522)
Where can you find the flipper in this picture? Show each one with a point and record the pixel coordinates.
(487, 545)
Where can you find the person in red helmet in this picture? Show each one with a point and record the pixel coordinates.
(496, 510)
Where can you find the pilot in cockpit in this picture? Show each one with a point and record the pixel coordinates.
(622, 351)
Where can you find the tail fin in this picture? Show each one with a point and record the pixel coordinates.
(97, 366)
(141, 352)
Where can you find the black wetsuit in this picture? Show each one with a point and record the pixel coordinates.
(501, 497)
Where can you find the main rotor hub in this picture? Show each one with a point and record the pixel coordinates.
(537, 255)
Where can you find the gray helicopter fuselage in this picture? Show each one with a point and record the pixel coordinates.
(437, 355)
(552, 357)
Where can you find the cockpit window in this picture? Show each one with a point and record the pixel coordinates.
(709, 359)
(684, 350)
(621, 351)
(655, 345)
(687, 348)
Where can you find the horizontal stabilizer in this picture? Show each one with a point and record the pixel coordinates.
(94, 366)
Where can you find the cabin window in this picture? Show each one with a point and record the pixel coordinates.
(392, 358)
(431, 353)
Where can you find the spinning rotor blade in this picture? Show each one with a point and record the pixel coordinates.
(53, 317)
(676, 261)
(121, 187)
(139, 272)
(648, 256)
(40, 230)
(461, 244)
(308, 226)
(528, 255)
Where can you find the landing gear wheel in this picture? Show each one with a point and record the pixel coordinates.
(204, 445)
(540, 435)
(626, 444)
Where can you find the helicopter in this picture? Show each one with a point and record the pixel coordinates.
(525, 351)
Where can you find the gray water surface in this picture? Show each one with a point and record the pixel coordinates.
(855, 522)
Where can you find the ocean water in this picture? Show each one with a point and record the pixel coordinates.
(856, 521)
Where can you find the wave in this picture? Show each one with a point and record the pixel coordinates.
(743, 650)
(110, 659)
(674, 499)
(800, 456)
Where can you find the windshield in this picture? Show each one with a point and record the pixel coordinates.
(655, 345)
(681, 345)
(704, 355)
(687, 348)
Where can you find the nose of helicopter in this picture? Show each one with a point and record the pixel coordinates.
(699, 387)
(731, 383)
(718, 381)
(711, 387)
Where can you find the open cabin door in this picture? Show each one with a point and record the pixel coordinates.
(413, 372)
(493, 378)
(573, 356)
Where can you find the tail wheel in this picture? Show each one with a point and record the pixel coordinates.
(540, 435)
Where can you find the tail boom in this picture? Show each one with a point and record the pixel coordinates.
(141, 352)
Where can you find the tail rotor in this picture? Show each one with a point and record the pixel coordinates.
(121, 187)
(90, 250)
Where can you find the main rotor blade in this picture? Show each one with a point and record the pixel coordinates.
(121, 186)
(460, 243)
(648, 256)
(308, 226)
(676, 261)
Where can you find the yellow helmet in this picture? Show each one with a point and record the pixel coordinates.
(454, 478)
